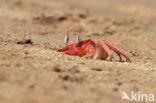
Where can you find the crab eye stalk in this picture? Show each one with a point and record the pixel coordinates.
(79, 36)
(66, 39)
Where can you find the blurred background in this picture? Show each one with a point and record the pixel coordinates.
(31, 32)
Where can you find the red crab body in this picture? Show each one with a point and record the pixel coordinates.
(81, 49)
(90, 49)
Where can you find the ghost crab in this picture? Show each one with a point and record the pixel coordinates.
(90, 49)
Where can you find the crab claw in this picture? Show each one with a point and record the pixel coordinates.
(66, 39)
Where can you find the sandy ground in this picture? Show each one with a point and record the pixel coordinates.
(31, 32)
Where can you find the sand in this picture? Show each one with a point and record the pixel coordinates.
(31, 32)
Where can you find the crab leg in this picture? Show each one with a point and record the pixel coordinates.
(116, 50)
(105, 48)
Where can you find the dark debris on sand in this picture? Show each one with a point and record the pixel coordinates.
(27, 41)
